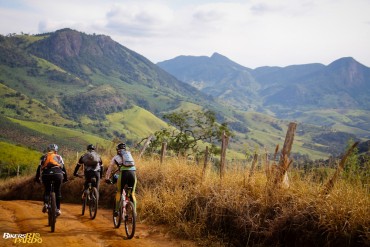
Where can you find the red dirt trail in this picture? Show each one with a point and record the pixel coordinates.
(72, 229)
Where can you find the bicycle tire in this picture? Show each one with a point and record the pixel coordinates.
(84, 202)
(130, 220)
(49, 213)
(117, 219)
(93, 203)
(53, 212)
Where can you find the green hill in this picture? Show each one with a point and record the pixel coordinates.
(72, 88)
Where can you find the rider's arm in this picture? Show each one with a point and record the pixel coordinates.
(76, 169)
(101, 171)
(38, 171)
(101, 168)
(110, 168)
(65, 177)
(37, 177)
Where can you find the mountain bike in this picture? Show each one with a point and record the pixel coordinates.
(52, 208)
(90, 198)
(126, 212)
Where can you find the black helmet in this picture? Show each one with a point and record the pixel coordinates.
(53, 147)
(121, 146)
(90, 147)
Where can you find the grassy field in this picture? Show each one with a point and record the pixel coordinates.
(63, 133)
(13, 156)
(135, 123)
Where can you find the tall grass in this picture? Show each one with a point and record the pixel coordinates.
(235, 211)
(239, 213)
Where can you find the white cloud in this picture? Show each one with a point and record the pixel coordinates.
(251, 32)
(138, 19)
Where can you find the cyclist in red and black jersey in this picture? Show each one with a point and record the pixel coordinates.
(51, 168)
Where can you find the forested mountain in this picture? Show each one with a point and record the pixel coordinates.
(76, 88)
(334, 95)
(98, 73)
(344, 83)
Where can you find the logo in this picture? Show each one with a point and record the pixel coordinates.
(26, 238)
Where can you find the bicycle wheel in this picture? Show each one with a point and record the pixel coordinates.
(53, 212)
(117, 219)
(49, 213)
(84, 202)
(130, 220)
(93, 202)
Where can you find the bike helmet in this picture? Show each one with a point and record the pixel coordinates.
(53, 147)
(90, 147)
(121, 146)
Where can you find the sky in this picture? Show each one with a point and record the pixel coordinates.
(253, 33)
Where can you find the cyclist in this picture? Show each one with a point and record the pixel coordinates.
(93, 166)
(52, 168)
(127, 174)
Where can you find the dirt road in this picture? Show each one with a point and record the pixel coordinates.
(72, 229)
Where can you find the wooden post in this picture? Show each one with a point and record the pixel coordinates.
(329, 186)
(285, 162)
(18, 171)
(163, 151)
(255, 158)
(146, 144)
(205, 163)
(225, 142)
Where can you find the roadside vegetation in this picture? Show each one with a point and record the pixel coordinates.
(243, 208)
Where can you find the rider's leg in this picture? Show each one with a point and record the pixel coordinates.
(133, 197)
(58, 178)
(119, 190)
(129, 178)
(47, 186)
(97, 176)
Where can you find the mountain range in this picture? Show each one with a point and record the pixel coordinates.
(345, 83)
(336, 95)
(96, 90)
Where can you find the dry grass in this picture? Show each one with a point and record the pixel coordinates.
(235, 211)
(250, 213)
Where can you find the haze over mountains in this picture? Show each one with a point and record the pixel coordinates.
(93, 84)
(345, 83)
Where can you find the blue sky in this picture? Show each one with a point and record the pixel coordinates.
(252, 33)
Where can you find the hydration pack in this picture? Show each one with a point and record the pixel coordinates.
(127, 158)
(50, 160)
(91, 159)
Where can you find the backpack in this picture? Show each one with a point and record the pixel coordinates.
(127, 157)
(91, 159)
(50, 160)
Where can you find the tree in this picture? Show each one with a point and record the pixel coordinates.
(188, 128)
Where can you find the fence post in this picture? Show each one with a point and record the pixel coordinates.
(225, 142)
(146, 144)
(285, 161)
(205, 163)
(163, 151)
(329, 186)
(255, 158)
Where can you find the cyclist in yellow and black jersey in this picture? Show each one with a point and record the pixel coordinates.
(127, 172)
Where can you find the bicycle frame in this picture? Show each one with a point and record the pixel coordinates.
(126, 212)
(91, 197)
